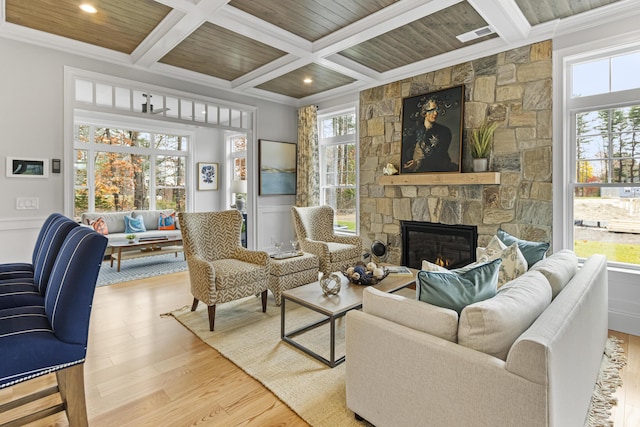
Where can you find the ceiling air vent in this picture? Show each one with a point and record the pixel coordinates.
(475, 34)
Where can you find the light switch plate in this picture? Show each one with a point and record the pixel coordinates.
(27, 203)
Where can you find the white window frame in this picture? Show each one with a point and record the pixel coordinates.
(566, 109)
(340, 140)
(231, 157)
(96, 120)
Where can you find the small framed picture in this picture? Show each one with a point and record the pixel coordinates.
(27, 168)
(207, 176)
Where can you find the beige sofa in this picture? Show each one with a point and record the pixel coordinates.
(407, 367)
(116, 227)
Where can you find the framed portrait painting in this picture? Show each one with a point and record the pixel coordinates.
(432, 126)
(277, 165)
(207, 176)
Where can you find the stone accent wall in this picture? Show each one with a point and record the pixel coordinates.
(513, 88)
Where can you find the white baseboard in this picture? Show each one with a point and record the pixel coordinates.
(628, 323)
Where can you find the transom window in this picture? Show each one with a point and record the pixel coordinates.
(338, 168)
(606, 75)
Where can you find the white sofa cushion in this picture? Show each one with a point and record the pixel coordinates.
(493, 325)
(513, 264)
(559, 268)
(437, 321)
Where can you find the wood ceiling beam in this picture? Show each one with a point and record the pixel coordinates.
(243, 23)
(270, 71)
(176, 26)
(504, 17)
(385, 20)
(323, 51)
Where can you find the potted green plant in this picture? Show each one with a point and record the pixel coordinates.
(482, 144)
(131, 238)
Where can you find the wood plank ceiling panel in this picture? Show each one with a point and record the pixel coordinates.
(311, 19)
(221, 53)
(539, 11)
(292, 84)
(421, 39)
(119, 25)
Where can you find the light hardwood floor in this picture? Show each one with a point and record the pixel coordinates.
(144, 369)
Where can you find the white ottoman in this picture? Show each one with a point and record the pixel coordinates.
(292, 272)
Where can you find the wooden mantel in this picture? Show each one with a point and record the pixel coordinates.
(469, 178)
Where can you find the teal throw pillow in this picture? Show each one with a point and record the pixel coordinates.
(458, 288)
(133, 225)
(532, 251)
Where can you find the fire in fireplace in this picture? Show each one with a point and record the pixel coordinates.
(450, 246)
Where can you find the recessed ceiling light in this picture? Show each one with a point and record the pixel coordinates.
(308, 80)
(88, 8)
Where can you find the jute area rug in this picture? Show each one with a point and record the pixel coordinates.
(251, 340)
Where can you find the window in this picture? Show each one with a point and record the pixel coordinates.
(117, 169)
(238, 157)
(605, 153)
(237, 149)
(338, 167)
(606, 75)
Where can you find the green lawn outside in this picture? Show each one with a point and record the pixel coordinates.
(351, 225)
(619, 252)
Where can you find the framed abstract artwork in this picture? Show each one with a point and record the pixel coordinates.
(207, 176)
(432, 126)
(277, 165)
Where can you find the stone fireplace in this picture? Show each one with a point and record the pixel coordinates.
(513, 88)
(449, 246)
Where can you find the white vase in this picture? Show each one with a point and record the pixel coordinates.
(480, 165)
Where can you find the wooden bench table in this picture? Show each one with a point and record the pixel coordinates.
(148, 247)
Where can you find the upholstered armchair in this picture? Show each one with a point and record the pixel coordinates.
(220, 269)
(314, 227)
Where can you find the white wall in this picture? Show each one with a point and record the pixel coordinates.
(31, 125)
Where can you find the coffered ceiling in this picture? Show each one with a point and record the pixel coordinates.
(268, 48)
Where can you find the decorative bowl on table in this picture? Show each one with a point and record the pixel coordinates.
(365, 274)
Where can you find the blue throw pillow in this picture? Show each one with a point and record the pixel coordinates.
(458, 288)
(532, 251)
(133, 225)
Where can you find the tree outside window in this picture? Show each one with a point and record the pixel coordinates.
(120, 169)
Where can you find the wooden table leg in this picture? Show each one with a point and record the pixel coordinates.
(119, 258)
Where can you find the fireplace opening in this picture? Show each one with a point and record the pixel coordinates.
(450, 246)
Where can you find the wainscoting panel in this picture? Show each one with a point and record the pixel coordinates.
(18, 236)
(274, 222)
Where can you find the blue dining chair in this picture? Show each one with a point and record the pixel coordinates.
(40, 339)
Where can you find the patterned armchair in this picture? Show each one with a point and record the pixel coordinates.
(220, 269)
(314, 227)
